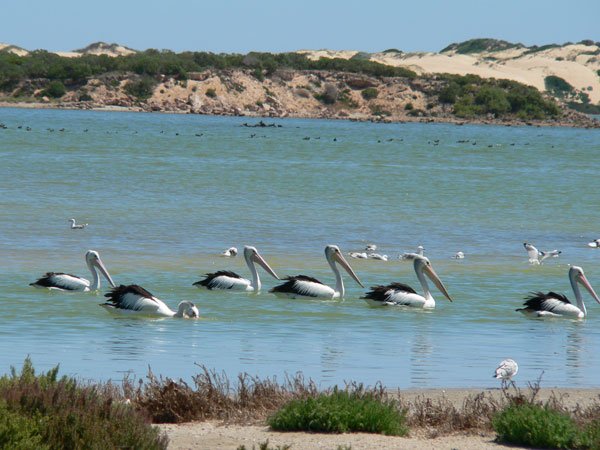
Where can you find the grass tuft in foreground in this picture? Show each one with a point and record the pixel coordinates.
(342, 411)
(45, 412)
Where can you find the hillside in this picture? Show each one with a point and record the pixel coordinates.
(386, 86)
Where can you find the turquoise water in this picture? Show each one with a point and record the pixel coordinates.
(165, 194)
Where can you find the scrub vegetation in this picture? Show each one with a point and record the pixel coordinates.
(45, 411)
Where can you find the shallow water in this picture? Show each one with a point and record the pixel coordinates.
(165, 194)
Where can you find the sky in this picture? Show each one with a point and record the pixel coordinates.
(237, 26)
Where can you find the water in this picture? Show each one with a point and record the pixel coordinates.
(162, 203)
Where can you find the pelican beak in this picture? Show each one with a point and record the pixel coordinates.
(342, 261)
(436, 280)
(100, 265)
(259, 260)
(584, 281)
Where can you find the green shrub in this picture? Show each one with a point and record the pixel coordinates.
(558, 86)
(341, 412)
(55, 89)
(42, 411)
(142, 89)
(369, 93)
(535, 426)
(210, 92)
(409, 107)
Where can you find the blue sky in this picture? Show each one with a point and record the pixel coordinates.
(277, 26)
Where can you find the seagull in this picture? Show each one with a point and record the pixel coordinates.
(410, 256)
(595, 243)
(536, 257)
(230, 252)
(75, 226)
(358, 255)
(378, 256)
(506, 370)
(459, 255)
(371, 247)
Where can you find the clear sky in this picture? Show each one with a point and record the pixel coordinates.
(236, 26)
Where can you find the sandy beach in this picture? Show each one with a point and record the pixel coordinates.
(215, 435)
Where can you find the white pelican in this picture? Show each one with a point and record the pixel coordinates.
(304, 286)
(399, 294)
(65, 282)
(595, 243)
(537, 257)
(225, 279)
(75, 226)
(358, 255)
(557, 305)
(230, 252)
(411, 256)
(506, 370)
(134, 299)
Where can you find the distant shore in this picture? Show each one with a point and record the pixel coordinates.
(573, 120)
(214, 435)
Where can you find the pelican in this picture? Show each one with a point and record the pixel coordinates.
(134, 299)
(399, 294)
(358, 255)
(506, 370)
(225, 279)
(64, 282)
(537, 257)
(230, 252)
(411, 256)
(595, 243)
(304, 286)
(75, 226)
(557, 305)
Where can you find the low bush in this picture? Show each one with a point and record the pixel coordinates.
(341, 411)
(43, 411)
(369, 93)
(535, 426)
(142, 88)
(55, 89)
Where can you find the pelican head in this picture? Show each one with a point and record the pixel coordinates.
(333, 255)
(576, 275)
(252, 255)
(72, 221)
(93, 261)
(187, 310)
(423, 266)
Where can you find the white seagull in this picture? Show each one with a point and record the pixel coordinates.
(358, 255)
(134, 299)
(595, 243)
(410, 256)
(537, 257)
(225, 279)
(304, 286)
(75, 226)
(65, 282)
(371, 247)
(459, 255)
(400, 294)
(506, 370)
(378, 256)
(552, 304)
(230, 252)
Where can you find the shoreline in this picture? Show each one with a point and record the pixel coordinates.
(593, 123)
(217, 435)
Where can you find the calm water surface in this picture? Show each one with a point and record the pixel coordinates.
(165, 194)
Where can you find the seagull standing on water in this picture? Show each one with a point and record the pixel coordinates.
(411, 256)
